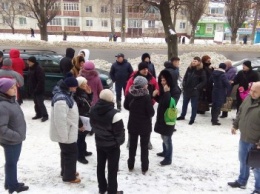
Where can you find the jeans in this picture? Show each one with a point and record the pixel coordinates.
(69, 155)
(194, 106)
(144, 139)
(244, 169)
(111, 155)
(167, 147)
(12, 154)
(39, 106)
(119, 86)
(82, 145)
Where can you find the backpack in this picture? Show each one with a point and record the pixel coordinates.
(170, 115)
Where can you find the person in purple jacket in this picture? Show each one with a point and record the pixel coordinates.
(230, 74)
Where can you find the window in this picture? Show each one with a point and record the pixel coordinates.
(134, 9)
(104, 23)
(56, 6)
(182, 25)
(118, 9)
(55, 22)
(21, 7)
(89, 22)
(151, 24)
(22, 21)
(71, 22)
(209, 28)
(152, 9)
(135, 23)
(5, 6)
(89, 9)
(217, 10)
(71, 6)
(118, 23)
(103, 9)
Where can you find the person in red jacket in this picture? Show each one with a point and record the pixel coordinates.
(18, 65)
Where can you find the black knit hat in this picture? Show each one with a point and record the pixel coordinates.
(32, 59)
(222, 66)
(71, 81)
(142, 65)
(144, 56)
(248, 64)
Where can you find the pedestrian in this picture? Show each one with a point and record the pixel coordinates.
(245, 39)
(230, 73)
(78, 62)
(193, 82)
(243, 78)
(147, 58)
(173, 68)
(163, 97)
(1, 58)
(18, 65)
(64, 33)
(110, 37)
(83, 97)
(183, 40)
(89, 72)
(109, 131)
(219, 92)
(13, 132)
(248, 122)
(139, 103)
(115, 37)
(32, 32)
(66, 62)
(64, 127)
(120, 72)
(36, 88)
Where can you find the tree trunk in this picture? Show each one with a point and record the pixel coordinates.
(112, 16)
(43, 32)
(123, 22)
(255, 23)
(171, 39)
(174, 18)
(192, 36)
(234, 37)
(12, 29)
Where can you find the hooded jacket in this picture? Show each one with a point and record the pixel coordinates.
(66, 62)
(17, 62)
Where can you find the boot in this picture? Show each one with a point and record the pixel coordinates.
(118, 103)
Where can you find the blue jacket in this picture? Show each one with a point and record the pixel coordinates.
(120, 72)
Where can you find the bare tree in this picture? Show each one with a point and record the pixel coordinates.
(256, 13)
(44, 11)
(123, 21)
(195, 10)
(112, 16)
(9, 10)
(236, 12)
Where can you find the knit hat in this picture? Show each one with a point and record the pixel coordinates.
(32, 59)
(140, 81)
(144, 56)
(71, 81)
(6, 84)
(222, 66)
(248, 64)
(81, 80)
(106, 95)
(7, 62)
(120, 55)
(205, 58)
(89, 65)
(142, 65)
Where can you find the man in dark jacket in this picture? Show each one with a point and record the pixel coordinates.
(173, 68)
(193, 82)
(36, 84)
(109, 131)
(120, 72)
(243, 78)
(1, 59)
(66, 62)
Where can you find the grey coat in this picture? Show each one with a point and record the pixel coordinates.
(12, 122)
(8, 73)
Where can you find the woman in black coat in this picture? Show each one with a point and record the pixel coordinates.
(163, 97)
(83, 97)
(139, 103)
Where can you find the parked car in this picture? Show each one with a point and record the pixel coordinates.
(50, 60)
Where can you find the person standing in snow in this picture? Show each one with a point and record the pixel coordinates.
(12, 133)
(109, 130)
(147, 58)
(120, 72)
(1, 58)
(248, 122)
(64, 127)
(78, 62)
(66, 62)
(139, 103)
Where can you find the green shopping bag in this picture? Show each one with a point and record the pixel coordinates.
(170, 115)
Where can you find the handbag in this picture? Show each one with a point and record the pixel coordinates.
(228, 105)
(253, 158)
(170, 115)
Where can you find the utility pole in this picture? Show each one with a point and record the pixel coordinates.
(123, 22)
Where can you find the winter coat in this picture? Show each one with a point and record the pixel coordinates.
(12, 122)
(83, 100)
(176, 91)
(231, 73)
(120, 72)
(107, 124)
(220, 87)
(140, 106)
(248, 120)
(94, 82)
(36, 80)
(66, 62)
(64, 115)
(152, 83)
(194, 81)
(9, 73)
(206, 93)
(17, 62)
(243, 78)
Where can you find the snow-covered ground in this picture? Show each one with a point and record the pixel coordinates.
(204, 160)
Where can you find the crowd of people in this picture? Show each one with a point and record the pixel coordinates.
(80, 106)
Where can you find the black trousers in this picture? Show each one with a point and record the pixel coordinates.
(144, 140)
(215, 111)
(68, 154)
(82, 145)
(111, 155)
(239, 100)
(39, 106)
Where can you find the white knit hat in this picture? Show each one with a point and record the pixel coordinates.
(107, 95)
(81, 80)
